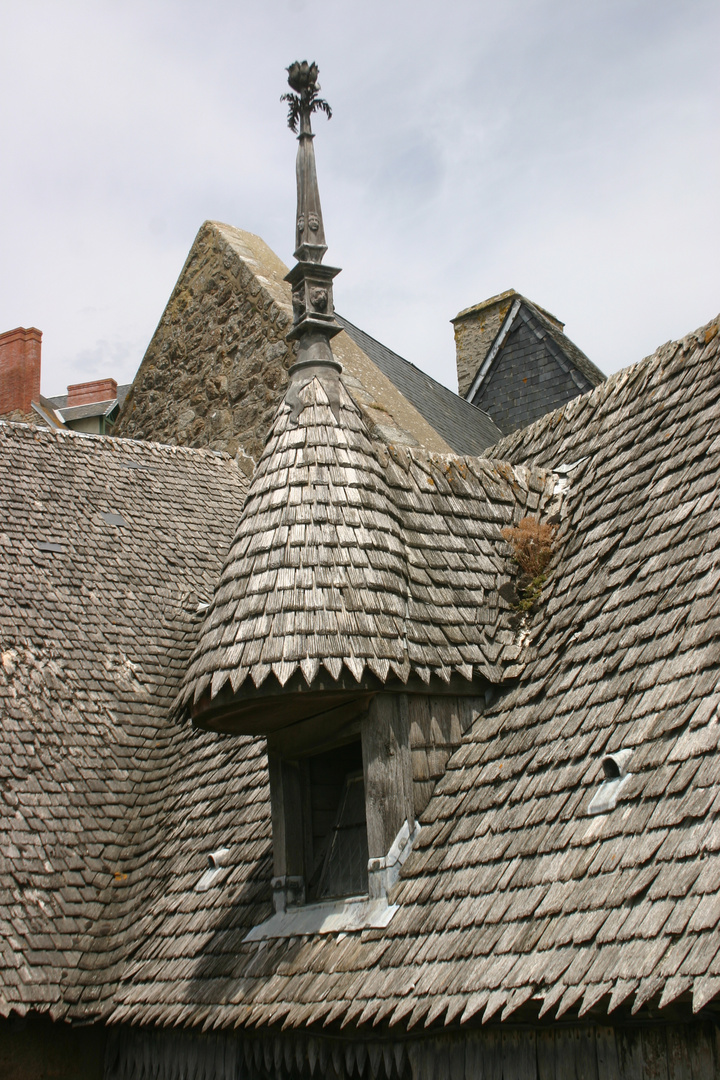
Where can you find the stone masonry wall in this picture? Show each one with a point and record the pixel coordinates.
(216, 367)
(475, 331)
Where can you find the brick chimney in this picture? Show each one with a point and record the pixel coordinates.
(19, 369)
(87, 393)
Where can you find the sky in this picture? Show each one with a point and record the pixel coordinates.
(565, 148)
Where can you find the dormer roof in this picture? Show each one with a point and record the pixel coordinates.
(356, 556)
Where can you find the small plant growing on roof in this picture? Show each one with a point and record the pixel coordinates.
(532, 544)
(302, 77)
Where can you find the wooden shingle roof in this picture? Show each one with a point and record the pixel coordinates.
(513, 893)
(107, 548)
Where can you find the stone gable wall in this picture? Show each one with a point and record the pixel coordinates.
(216, 367)
(474, 336)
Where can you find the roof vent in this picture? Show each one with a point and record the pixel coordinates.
(615, 765)
(616, 777)
(218, 858)
(216, 861)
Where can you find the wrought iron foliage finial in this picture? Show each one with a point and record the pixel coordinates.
(302, 78)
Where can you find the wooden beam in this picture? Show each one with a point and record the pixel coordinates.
(387, 771)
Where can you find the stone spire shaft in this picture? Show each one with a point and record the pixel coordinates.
(313, 310)
(310, 243)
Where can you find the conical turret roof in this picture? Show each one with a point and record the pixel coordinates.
(353, 555)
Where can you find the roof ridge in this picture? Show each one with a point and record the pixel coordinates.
(118, 440)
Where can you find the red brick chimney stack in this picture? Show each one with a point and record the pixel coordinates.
(19, 369)
(86, 393)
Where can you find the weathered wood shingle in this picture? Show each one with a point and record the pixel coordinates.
(513, 892)
(352, 552)
(95, 618)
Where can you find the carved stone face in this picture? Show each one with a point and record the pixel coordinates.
(313, 222)
(319, 298)
(301, 223)
(298, 303)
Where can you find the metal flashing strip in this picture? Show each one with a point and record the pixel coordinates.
(113, 519)
(331, 917)
(383, 873)
(45, 408)
(497, 344)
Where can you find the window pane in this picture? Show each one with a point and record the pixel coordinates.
(345, 869)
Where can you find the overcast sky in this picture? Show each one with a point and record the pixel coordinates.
(565, 148)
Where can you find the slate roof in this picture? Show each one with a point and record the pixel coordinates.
(585, 366)
(548, 324)
(525, 366)
(351, 552)
(465, 428)
(513, 893)
(95, 408)
(60, 400)
(94, 617)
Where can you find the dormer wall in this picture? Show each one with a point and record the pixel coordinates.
(403, 742)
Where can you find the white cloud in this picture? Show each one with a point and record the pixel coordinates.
(568, 150)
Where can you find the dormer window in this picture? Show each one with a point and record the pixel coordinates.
(346, 788)
(320, 834)
(336, 855)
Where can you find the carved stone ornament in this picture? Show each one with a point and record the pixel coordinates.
(313, 222)
(298, 303)
(319, 298)
(301, 223)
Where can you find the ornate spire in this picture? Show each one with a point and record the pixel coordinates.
(313, 311)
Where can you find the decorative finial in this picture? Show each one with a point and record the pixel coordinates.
(302, 77)
(313, 311)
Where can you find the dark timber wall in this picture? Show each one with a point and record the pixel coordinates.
(38, 1049)
(35, 1048)
(530, 376)
(639, 1051)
